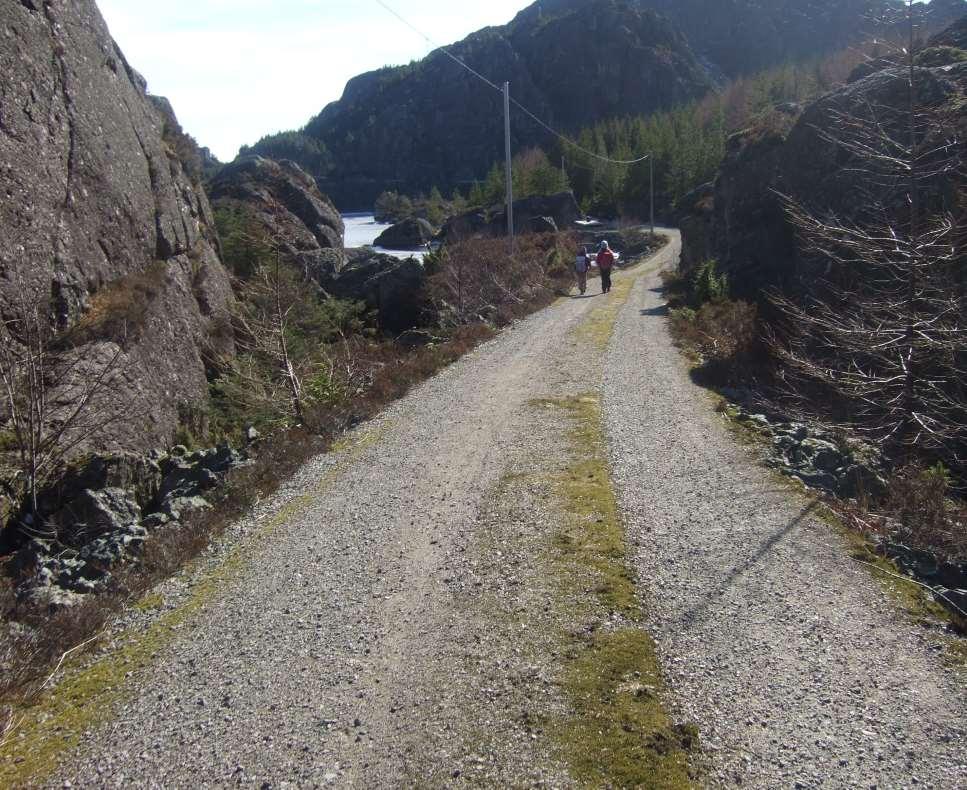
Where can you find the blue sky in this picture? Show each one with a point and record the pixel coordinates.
(237, 69)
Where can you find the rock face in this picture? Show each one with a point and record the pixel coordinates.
(743, 224)
(100, 206)
(816, 457)
(536, 214)
(392, 287)
(408, 234)
(102, 513)
(286, 203)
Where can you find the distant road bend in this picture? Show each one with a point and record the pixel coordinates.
(380, 637)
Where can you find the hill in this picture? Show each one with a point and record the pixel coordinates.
(571, 62)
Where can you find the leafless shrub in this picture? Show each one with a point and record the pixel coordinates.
(920, 505)
(483, 280)
(883, 335)
(50, 395)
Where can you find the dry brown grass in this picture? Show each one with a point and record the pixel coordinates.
(120, 310)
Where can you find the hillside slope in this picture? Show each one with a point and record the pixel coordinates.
(572, 62)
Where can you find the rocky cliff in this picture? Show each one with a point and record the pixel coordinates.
(286, 208)
(740, 220)
(101, 214)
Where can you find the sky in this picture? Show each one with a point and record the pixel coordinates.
(236, 70)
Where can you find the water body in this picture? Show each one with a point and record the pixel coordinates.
(362, 230)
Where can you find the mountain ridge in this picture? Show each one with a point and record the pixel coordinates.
(431, 123)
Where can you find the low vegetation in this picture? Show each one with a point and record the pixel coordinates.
(723, 335)
(617, 732)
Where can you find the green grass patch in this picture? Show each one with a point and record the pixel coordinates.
(620, 734)
(617, 732)
(591, 544)
(598, 327)
(150, 602)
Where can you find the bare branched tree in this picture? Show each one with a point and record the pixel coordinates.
(52, 395)
(883, 333)
(264, 320)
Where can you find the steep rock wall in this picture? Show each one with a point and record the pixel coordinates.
(98, 213)
(744, 225)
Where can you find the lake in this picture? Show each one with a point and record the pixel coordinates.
(362, 230)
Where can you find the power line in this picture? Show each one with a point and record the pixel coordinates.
(514, 101)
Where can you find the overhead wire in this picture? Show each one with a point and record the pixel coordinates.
(563, 137)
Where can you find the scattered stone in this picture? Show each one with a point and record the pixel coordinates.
(180, 507)
(816, 458)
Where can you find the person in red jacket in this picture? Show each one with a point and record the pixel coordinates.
(605, 261)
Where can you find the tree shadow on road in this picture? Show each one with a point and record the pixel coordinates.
(694, 614)
(661, 311)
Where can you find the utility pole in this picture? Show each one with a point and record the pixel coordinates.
(510, 169)
(651, 180)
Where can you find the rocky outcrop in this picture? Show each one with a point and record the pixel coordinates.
(99, 215)
(103, 511)
(388, 285)
(816, 457)
(410, 234)
(532, 214)
(744, 225)
(285, 204)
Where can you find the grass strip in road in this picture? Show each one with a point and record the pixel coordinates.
(598, 327)
(617, 732)
(51, 727)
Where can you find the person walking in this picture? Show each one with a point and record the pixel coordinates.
(581, 263)
(605, 261)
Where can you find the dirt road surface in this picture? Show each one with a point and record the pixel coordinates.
(399, 615)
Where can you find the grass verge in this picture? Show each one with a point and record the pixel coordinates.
(617, 732)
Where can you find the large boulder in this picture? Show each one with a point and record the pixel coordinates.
(286, 206)
(411, 233)
(94, 513)
(531, 214)
(392, 287)
(103, 216)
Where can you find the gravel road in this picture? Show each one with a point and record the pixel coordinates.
(788, 656)
(386, 632)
